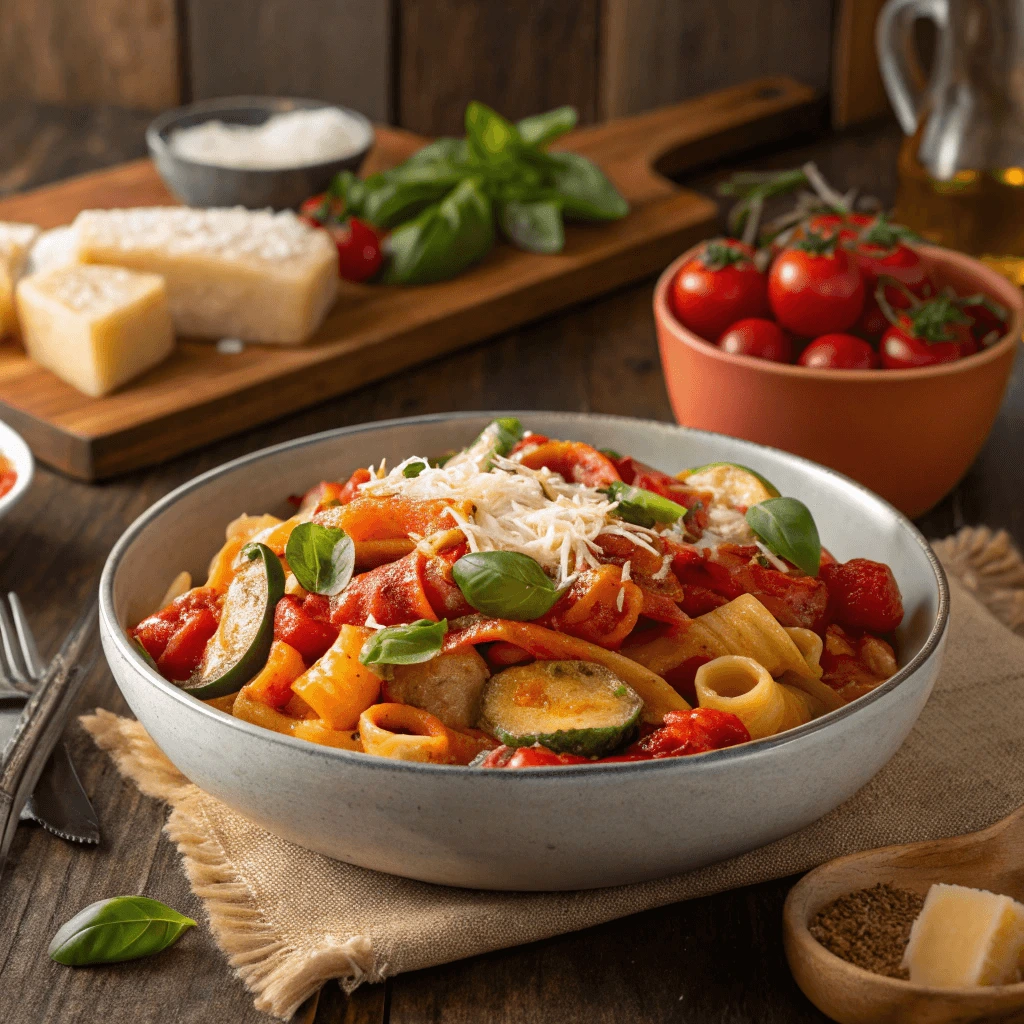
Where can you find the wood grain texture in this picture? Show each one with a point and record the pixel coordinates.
(90, 51)
(323, 49)
(520, 57)
(661, 51)
(712, 961)
(373, 331)
(857, 91)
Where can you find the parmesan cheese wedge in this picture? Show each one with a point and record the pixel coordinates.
(95, 327)
(965, 937)
(231, 273)
(15, 242)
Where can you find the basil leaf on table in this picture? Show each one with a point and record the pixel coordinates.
(535, 227)
(117, 929)
(505, 584)
(540, 129)
(392, 202)
(583, 189)
(490, 136)
(642, 507)
(444, 239)
(322, 558)
(787, 528)
(410, 644)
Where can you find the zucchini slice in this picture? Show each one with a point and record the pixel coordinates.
(239, 648)
(731, 483)
(573, 707)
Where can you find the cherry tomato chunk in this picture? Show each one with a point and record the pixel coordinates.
(839, 352)
(762, 339)
(863, 595)
(359, 251)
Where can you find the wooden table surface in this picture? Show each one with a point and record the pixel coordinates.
(717, 959)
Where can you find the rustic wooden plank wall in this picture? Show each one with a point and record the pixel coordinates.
(413, 62)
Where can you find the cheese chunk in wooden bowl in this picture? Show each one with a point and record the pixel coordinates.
(15, 242)
(231, 273)
(95, 327)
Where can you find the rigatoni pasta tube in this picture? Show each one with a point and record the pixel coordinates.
(823, 697)
(412, 734)
(745, 688)
(338, 687)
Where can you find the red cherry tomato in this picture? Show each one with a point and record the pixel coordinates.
(847, 226)
(863, 594)
(718, 287)
(933, 332)
(839, 352)
(990, 320)
(359, 255)
(692, 732)
(815, 287)
(762, 339)
(322, 209)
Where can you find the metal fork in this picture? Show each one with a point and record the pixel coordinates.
(20, 664)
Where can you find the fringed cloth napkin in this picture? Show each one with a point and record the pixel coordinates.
(290, 920)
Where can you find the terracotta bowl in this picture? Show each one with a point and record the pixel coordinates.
(909, 435)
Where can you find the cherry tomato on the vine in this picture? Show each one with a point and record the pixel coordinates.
(934, 332)
(322, 209)
(762, 339)
(717, 287)
(359, 253)
(989, 319)
(815, 286)
(846, 225)
(839, 352)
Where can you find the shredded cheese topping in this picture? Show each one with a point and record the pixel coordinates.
(535, 512)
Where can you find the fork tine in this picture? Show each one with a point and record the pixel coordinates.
(29, 649)
(15, 666)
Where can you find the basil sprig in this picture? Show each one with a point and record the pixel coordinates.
(445, 203)
(642, 507)
(505, 584)
(787, 528)
(322, 558)
(117, 929)
(410, 644)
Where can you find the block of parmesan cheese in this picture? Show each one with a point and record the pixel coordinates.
(15, 242)
(95, 327)
(965, 937)
(232, 273)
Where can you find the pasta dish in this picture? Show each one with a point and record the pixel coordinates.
(8, 475)
(529, 601)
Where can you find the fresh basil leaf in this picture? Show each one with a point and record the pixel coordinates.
(499, 437)
(584, 191)
(787, 528)
(540, 129)
(447, 151)
(414, 469)
(505, 584)
(391, 202)
(117, 929)
(610, 453)
(322, 558)
(535, 227)
(404, 645)
(490, 136)
(444, 239)
(642, 507)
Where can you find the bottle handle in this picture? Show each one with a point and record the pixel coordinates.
(897, 55)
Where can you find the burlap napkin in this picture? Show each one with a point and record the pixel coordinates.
(289, 920)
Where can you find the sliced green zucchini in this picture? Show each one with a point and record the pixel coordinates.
(499, 437)
(573, 707)
(737, 485)
(239, 647)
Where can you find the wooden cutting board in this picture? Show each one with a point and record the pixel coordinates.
(199, 395)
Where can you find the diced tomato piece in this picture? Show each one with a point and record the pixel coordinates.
(184, 651)
(391, 593)
(691, 732)
(156, 631)
(8, 478)
(863, 595)
(350, 489)
(440, 587)
(683, 678)
(577, 462)
(530, 441)
(309, 635)
(529, 757)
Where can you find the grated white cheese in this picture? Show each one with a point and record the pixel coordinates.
(625, 572)
(372, 623)
(666, 564)
(770, 555)
(620, 598)
(535, 512)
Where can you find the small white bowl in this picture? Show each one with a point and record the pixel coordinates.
(13, 446)
(540, 828)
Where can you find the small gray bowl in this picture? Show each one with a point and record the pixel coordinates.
(199, 184)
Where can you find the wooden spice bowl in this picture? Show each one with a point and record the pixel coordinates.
(992, 859)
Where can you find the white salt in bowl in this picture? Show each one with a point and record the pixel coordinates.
(536, 828)
(205, 184)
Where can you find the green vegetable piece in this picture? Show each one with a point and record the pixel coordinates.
(323, 558)
(787, 528)
(610, 453)
(642, 507)
(540, 129)
(505, 584)
(414, 469)
(583, 190)
(535, 227)
(410, 644)
(117, 929)
(573, 707)
(490, 136)
(444, 239)
(144, 654)
(499, 437)
(239, 647)
(768, 485)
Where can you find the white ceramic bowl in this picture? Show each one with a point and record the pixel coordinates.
(14, 448)
(560, 828)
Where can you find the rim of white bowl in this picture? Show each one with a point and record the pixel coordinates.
(108, 619)
(14, 446)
